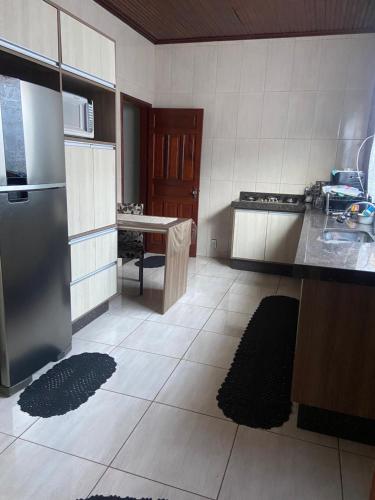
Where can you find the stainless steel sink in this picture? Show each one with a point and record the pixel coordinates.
(353, 236)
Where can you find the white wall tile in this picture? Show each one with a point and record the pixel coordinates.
(246, 160)
(355, 120)
(239, 186)
(267, 187)
(279, 64)
(206, 159)
(253, 68)
(306, 64)
(205, 64)
(275, 115)
(301, 112)
(163, 67)
(226, 109)
(182, 69)
(361, 70)
(292, 188)
(204, 199)
(228, 67)
(270, 160)
(206, 102)
(249, 120)
(328, 113)
(322, 160)
(334, 63)
(223, 159)
(296, 161)
(346, 156)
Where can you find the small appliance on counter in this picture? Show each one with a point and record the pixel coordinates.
(78, 116)
(348, 178)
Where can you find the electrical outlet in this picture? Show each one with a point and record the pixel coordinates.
(213, 243)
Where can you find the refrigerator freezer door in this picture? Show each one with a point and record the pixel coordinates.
(32, 133)
(35, 322)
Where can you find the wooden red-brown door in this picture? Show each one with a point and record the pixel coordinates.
(175, 141)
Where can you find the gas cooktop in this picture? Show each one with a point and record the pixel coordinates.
(270, 201)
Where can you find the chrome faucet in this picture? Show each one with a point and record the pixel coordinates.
(342, 217)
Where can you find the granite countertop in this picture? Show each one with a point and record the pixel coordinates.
(349, 262)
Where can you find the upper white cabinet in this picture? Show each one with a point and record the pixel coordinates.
(283, 232)
(86, 50)
(249, 234)
(90, 187)
(266, 236)
(31, 25)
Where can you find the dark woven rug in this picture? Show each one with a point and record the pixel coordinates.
(67, 384)
(257, 390)
(153, 261)
(114, 497)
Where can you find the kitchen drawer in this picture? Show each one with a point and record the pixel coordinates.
(92, 291)
(92, 252)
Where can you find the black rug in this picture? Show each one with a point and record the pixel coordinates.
(114, 497)
(67, 385)
(152, 261)
(257, 389)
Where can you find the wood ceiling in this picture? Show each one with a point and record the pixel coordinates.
(172, 21)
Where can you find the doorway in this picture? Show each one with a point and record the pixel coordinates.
(134, 145)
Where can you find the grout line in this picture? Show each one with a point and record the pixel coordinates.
(229, 457)
(97, 482)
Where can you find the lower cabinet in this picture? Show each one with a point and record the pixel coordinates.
(94, 271)
(283, 232)
(93, 290)
(266, 236)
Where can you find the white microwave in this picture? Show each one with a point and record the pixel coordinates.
(78, 115)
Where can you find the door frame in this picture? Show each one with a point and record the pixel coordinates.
(144, 108)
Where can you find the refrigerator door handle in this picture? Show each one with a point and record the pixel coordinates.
(31, 187)
(3, 173)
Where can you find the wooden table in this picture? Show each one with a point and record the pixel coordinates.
(178, 238)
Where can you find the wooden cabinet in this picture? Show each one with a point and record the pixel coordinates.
(249, 234)
(266, 236)
(92, 291)
(79, 189)
(86, 50)
(283, 232)
(104, 161)
(92, 253)
(31, 25)
(91, 187)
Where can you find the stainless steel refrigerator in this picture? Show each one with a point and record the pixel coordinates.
(35, 323)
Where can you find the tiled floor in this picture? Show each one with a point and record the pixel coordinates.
(154, 429)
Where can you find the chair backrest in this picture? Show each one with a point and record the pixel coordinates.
(130, 208)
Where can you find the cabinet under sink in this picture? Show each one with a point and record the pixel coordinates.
(265, 236)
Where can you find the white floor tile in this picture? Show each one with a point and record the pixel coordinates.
(290, 429)
(242, 303)
(115, 482)
(79, 346)
(357, 475)
(358, 448)
(206, 291)
(5, 441)
(197, 264)
(12, 419)
(109, 329)
(213, 349)
(261, 279)
(179, 448)
(194, 387)
(267, 466)
(136, 306)
(252, 290)
(96, 430)
(169, 340)
(139, 374)
(289, 287)
(188, 315)
(227, 323)
(29, 471)
(220, 269)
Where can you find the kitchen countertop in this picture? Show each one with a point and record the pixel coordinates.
(349, 262)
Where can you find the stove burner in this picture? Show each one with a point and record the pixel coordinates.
(250, 198)
(290, 200)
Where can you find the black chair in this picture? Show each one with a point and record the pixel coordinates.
(130, 243)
